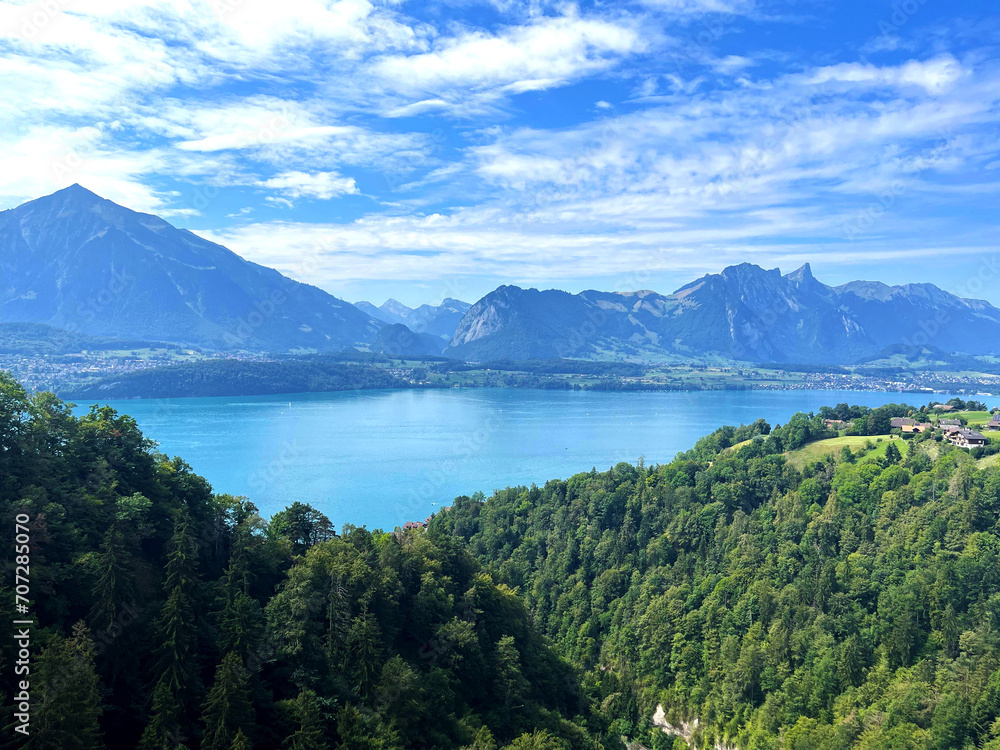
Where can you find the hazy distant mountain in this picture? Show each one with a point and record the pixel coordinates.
(745, 313)
(437, 320)
(395, 339)
(74, 260)
(377, 312)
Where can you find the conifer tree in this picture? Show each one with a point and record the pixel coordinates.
(67, 700)
(310, 734)
(241, 619)
(176, 667)
(113, 585)
(228, 710)
(164, 730)
(176, 636)
(240, 741)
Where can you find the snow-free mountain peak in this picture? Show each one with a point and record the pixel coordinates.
(77, 261)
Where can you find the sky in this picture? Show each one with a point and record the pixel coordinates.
(428, 150)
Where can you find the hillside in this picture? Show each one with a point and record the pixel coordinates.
(76, 261)
(226, 377)
(395, 339)
(849, 605)
(40, 339)
(167, 616)
(744, 313)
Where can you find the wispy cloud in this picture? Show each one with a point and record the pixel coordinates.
(322, 185)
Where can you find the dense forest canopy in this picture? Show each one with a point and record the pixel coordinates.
(854, 603)
(172, 617)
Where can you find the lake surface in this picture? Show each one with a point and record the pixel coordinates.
(381, 458)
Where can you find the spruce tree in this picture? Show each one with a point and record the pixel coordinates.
(113, 586)
(176, 625)
(176, 636)
(240, 741)
(164, 731)
(67, 697)
(240, 619)
(228, 710)
(310, 734)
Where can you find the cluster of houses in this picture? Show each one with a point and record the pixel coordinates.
(954, 432)
(422, 524)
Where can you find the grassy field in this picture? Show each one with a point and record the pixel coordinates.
(993, 460)
(974, 418)
(737, 446)
(822, 448)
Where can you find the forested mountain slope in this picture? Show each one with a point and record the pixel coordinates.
(171, 617)
(853, 605)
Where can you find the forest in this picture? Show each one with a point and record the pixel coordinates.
(170, 617)
(854, 604)
(223, 377)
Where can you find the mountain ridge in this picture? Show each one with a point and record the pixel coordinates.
(77, 261)
(745, 313)
(435, 320)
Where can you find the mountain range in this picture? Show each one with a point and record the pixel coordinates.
(744, 313)
(437, 320)
(75, 261)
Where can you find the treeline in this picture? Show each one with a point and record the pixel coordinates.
(171, 617)
(852, 605)
(793, 367)
(549, 367)
(237, 377)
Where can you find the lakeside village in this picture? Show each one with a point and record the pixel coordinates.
(957, 430)
(69, 372)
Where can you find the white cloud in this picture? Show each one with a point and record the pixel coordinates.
(288, 99)
(282, 132)
(542, 54)
(934, 76)
(775, 173)
(322, 185)
(731, 64)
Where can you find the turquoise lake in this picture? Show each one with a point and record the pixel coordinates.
(381, 458)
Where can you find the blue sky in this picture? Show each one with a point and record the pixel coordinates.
(422, 151)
